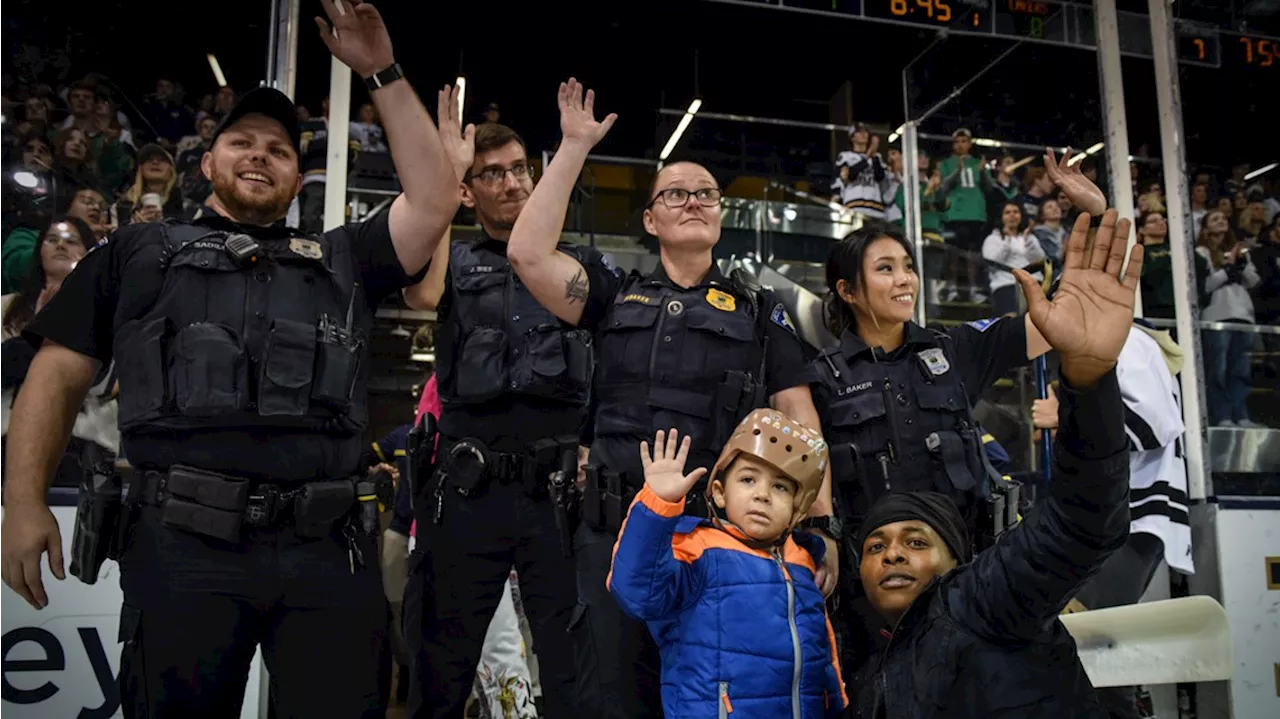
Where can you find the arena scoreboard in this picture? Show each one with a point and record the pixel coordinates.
(1058, 23)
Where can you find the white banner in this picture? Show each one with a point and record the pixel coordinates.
(61, 662)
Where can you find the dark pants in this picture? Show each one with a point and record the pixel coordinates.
(1123, 580)
(455, 584)
(1228, 372)
(618, 663)
(195, 609)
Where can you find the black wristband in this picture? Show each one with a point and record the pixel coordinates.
(384, 77)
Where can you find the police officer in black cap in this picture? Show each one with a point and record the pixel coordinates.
(514, 383)
(242, 346)
(682, 347)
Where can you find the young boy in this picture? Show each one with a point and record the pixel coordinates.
(731, 599)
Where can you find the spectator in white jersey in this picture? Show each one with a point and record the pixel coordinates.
(1159, 526)
(861, 173)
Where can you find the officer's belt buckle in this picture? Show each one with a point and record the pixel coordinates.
(262, 507)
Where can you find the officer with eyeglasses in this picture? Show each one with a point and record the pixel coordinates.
(513, 381)
(683, 346)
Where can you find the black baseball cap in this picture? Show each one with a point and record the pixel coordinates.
(265, 101)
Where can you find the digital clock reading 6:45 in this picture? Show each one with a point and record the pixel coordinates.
(952, 13)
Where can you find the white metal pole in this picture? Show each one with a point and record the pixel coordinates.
(1116, 128)
(911, 209)
(335, 175)
(282, 60)
(1186, 309)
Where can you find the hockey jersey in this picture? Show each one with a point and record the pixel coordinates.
(1153, 423)
(861, 191)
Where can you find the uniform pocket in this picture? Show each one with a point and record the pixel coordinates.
(140, 366)
(546, 352)
(210, 376)
(481, 365)
(285, 385)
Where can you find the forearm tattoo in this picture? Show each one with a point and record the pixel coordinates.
(575, 290)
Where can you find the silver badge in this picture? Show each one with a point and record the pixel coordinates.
(675, 307)
(936, 361)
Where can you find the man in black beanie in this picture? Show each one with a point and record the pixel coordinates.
(979, 637)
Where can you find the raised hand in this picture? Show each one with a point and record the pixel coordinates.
(578, 115)
(1080, 189)
(358, 37)
(664, 470)
(459, 144)
(1089, 318)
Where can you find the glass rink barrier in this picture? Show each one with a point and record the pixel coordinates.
(960, 170)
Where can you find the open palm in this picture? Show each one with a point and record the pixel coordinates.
(1089, 318)
(356, 35)
(1068, 177)
(459, 144)
(664, 469)
(578, 115)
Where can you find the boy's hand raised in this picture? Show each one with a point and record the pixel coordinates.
(664, 469)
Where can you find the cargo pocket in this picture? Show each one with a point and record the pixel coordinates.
(285, 385)
(133, 666)
(481, 365)
(139, 353)
(546, 351)
(209, 376)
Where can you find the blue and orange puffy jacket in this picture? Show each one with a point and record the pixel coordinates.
(743, 632)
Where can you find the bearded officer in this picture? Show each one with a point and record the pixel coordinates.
(242, 346)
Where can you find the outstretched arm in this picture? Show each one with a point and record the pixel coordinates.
(460, 147)
(1027, 578)
(651, 576)
(559, 282)
(356, 35)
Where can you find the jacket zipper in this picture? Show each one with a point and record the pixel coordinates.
(724, 700)
(795, 636)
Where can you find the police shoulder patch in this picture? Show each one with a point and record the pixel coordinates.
(982, 325)
(781, 318)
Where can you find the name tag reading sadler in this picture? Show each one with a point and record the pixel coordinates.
(306, 248)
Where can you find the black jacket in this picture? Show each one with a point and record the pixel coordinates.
(984, 639)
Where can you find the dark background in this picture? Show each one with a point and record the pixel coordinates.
(640, 56)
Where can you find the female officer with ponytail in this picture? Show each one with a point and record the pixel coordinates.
(896, 398)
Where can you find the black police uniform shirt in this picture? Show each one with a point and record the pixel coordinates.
(900, 398)
(663, 354)
(121, 281)
(508, 421)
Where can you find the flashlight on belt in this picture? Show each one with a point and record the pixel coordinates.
(367, 499)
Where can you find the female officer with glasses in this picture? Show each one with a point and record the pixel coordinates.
(683, 347)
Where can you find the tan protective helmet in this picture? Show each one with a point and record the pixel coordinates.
(797, 451)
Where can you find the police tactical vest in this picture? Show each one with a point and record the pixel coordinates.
(901, 425)
(230, 343)
(498, 340)
(690, 359)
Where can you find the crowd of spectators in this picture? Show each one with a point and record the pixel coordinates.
(993, 215)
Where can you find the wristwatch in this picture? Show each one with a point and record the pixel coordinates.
(385, 77)
(830, 526)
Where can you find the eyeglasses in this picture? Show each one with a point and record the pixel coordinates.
(497, 175)
(676, 197)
